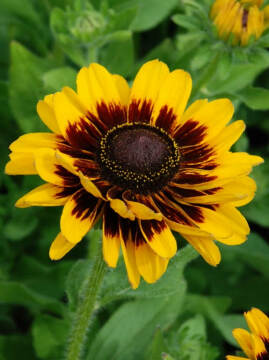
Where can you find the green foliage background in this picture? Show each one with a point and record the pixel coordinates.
(190, 313)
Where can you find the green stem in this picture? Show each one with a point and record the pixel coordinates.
(83, 316)
(206, 75)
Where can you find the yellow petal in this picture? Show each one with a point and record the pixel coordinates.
(236, 220)
(230, 192)
(243, 337)
(192, 109)
(67, 162)
(96, 85)
(60, 247)
(259, 347)
(229, 135)
(121, 208)
(69, 110)
(141, 211)
(150, 265)
(185, 229)
(90, 186)
(210, 221)
(123, 88)
(32, 142)
(146, 87)
(114, 195)
(159, 237)
(174, 218)
(206, 248)
(46, 113)
(79, 215)
(258, 322)
(21, 164)
(43, 195)
(47, 166)
(174, 94)
(111, 237)
(128, 251)
(214, 116)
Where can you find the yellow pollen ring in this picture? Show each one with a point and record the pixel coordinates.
(139, 181)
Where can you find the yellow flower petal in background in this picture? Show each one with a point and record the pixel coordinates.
(239, 19)
(255, 343)
(244, 339)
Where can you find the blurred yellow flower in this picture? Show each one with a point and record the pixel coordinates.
(255, 344)
(239, 19)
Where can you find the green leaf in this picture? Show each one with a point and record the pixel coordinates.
(188, 43)
(26, 12)
(20, 225)
(129, 330)
(13, 347)
(255, 252)
(151, 12)
(254, 97)
(264, 40)
(49, 335)
(48, 280)
(171, 283)
(202, 57)
(189, 343)
(238, 77)
(55, 79)
(225, 63)
(207, 307)
(123, 19)
(12, 292)
(158, 346)
(187, 22)
(165, 51)
(118, 55)
(26, 86)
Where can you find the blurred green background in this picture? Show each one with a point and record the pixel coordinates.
(190, 313)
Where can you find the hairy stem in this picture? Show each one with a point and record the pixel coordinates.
(83, 316)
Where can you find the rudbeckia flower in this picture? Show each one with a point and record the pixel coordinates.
(256, 343)
(141, 162)
(239, 19)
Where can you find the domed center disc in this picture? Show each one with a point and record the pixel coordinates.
(138, 157)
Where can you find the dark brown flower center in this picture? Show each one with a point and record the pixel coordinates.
(139, 157)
